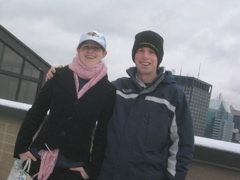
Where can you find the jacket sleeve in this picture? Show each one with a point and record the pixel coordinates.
(100, 138)
(182, 138)
(33, 120)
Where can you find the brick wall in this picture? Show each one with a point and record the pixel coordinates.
(8, 132)
(203, 171)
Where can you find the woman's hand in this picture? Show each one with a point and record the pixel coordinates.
(82, 171)
(26, 155)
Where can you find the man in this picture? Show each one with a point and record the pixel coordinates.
(150, 135)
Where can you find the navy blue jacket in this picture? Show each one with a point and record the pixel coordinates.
(150, 135)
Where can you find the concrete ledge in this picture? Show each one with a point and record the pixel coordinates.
(217, 157)
(13, 113)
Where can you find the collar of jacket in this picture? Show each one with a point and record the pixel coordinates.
(67, 80)
(162, 77)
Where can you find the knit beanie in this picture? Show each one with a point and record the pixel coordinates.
(151, 40)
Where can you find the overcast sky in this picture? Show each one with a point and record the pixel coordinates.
(201, 37)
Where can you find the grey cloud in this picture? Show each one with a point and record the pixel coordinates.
(193, 31)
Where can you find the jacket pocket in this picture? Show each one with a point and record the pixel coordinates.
(157, 133)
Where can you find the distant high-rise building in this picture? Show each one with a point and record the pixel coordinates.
(198, 94)
(236, 120)
(220, 123)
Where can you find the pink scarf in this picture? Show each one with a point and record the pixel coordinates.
(92, 73)
(48, 161)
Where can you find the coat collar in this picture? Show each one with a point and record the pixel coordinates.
(67, 79)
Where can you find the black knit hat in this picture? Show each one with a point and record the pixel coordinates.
(151, 40)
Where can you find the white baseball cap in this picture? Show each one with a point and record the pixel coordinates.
(94, 36)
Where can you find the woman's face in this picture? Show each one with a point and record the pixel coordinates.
(90, 53)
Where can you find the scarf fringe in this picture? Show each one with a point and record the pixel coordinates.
(48, 161)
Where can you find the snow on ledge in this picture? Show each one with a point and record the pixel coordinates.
(15, 104)
(217, 144)
(199, 141)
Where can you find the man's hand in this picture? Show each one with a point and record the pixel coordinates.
(82, 171)
(51, 71)
(26, 155)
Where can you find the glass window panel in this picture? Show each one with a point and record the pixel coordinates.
(8, 88)
(30, 70)
(27, 92)
(1, 48)
(11, 61)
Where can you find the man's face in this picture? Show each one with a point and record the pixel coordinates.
(90, 53)
(146, 61)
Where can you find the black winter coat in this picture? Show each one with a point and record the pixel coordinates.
(71, 121)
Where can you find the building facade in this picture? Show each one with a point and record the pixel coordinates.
(236, 120)
(22, 71)
(198, 94)
(220, 123)
(22, 74)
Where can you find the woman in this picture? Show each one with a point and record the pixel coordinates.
(80, 99)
